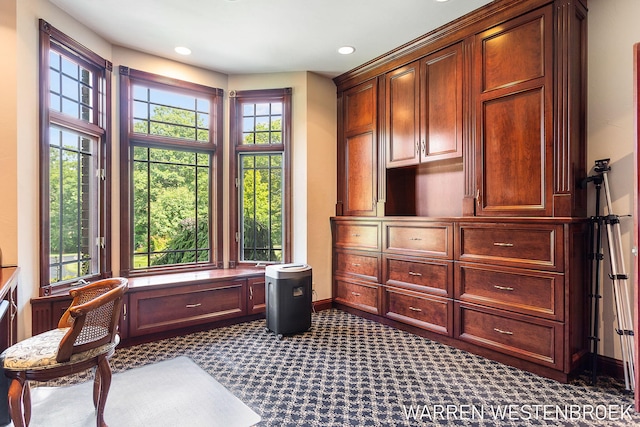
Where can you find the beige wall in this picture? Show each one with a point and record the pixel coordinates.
(8, 134)
(19, 218)
(313, 166)
(613, 30)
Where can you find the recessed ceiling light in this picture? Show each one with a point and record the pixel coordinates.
(346, 50)
(183, 50)
(441, 1)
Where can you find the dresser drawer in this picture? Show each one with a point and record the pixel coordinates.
(536, 293)
(524, 337)
(357, 235)
(432, 276)
(433, 240)
(361, 295)
(421, 310)
(365, 265)
(534, 246)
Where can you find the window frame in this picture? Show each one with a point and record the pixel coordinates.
(236, 99)
(128, 77)
(99, 127)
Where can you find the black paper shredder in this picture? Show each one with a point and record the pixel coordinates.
(288, 298)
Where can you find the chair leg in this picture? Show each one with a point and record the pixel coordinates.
(19, 397)
(103, 378)
(96, 387)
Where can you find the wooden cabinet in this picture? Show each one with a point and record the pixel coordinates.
(514, 289)
(470, 143)
(358, 151)
(423, 109)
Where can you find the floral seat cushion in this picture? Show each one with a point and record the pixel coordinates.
(39, 352)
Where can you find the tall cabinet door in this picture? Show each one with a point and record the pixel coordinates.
(358, 151)
(514, 116)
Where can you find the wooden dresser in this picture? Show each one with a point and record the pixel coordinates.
(459, 215)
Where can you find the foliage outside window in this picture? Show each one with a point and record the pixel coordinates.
(170, 171)
(75, 121)
(260, 130)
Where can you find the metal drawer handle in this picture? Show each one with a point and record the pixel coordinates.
(503, 288)
(411, 273)
(415, 309)
(193, 305)
(355, 235)
(355, 294)
(500, 331)
(355, 264)
(250, 292)
(415, 238)
(503, 245)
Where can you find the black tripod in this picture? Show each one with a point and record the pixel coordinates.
(618, 276)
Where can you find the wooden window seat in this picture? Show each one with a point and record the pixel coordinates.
(161, 306)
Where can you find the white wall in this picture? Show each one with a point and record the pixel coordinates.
(613, 30)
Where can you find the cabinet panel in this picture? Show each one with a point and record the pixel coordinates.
(521, 336)
(360, 109)
(403, 116)
(434, 240)
(365, 265)
(360, 192)
(524, 291)
(442, 94)
(520, 245)
(160, 310)
(514, 169)
(421, 310)
(513, 55)
(361, 295)
(256, 295)
(431, 276)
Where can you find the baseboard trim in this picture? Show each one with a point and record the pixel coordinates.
(323, 304)
(610, 367)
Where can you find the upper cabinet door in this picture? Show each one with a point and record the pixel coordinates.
(441, 94)
(402, 113)
(358, 151)
(423, 109)
(513, 87)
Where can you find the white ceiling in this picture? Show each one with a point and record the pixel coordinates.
(266, 36)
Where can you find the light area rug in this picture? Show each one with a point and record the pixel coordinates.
(172, 393)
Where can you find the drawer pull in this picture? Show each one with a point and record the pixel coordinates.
(355, 264)
(355, 235)
(500, 331)
(193, 305)
(355, 294)
(503, 245)
(415, 238)
(412, 273)
(415, 309)
(503, 288)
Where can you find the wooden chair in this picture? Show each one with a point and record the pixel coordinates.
(86, 337)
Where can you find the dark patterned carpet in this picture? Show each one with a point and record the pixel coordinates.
(349, 371)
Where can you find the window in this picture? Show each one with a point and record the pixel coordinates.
(170, 174)
(260, 134)
(75, 93)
